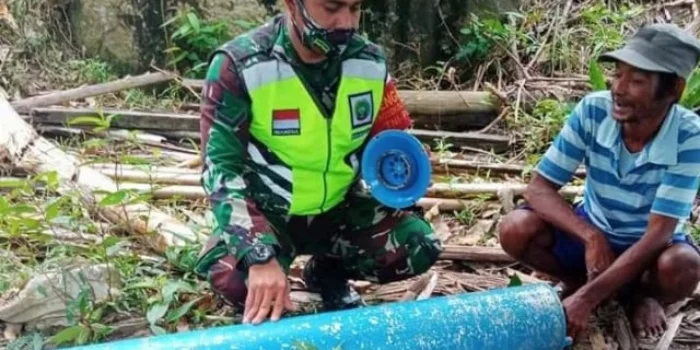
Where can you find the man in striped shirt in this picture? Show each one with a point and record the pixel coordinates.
(628, 236)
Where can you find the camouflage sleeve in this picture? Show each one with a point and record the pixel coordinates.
(225, 118)
(392, 113)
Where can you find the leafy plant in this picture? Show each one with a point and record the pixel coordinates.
(481, 36)
(101, 122)
(691, 95)
(93, 70)
(165, 305)
(193, 41)
(596, 76)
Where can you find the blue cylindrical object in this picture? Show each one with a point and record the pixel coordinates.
(396, 168)
(524, 317)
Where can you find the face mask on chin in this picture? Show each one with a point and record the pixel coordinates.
(331, 43)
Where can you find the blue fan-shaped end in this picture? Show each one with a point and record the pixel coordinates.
(396, 168)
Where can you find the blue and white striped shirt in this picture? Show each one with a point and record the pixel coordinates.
(664, 179)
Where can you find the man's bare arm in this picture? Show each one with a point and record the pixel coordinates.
(633, 262)
(543, 197)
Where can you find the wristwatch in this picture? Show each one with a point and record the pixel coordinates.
(258, 254)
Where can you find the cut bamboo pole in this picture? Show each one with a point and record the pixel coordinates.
(475, 253)
(445, 204)
(445, 190)
(147, 169)
(451, 110)
(444, 107)
(438, 190)
(25, 105)
(156, 177)
(459, 140)
(439, 166)
(22, 147)
(456, 165)
(122, 118)
(166, 191)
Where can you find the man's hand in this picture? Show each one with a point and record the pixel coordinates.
(578, 311)
(268, 289)
(599, 256)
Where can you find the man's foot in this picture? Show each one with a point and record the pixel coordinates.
(648, 318)
(325, 276)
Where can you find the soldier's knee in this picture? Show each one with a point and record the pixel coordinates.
(423, 247)
(427, 250)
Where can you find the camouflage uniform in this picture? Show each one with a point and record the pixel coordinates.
(359, 239)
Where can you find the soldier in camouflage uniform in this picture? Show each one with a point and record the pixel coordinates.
(287, 109)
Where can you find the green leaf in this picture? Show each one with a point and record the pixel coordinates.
(156, 312)
(67, 335)
(4, 206)
(87, 120)
(194, 21)
(54, 209)
(114, 198)
(13, 183)
(84, 335)
(596, 76)
(515, 281)
(181, 32)
(110, 241)
(142, 285)
(173, 287)
(134, 160)
(158, 330)
(23, 209)
(181, 311)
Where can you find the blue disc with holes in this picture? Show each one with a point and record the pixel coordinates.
(396, 168)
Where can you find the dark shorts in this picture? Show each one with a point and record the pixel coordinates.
(571, 253)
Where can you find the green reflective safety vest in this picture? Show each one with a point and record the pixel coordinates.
(320, 154)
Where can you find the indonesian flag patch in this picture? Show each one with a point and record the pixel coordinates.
(286, 122)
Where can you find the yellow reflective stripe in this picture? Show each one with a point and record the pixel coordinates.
(266, 72)
(364, 69)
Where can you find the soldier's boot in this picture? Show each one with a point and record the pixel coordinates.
(326, 276)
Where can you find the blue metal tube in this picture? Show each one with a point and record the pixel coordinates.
(524, 317)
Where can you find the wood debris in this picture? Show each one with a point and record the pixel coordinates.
(42, 302)
(22, 147)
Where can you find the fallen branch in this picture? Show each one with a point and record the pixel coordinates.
(443, 204)
(121, 118)
(428, 109)
(476, 254)
(149, 169)
(155, 141)
(673, 4)
(438, 190)
(445, 190)
(426, 102)
(25, 105)
(448, 283)
(22, 147)
(450, 165)
(155, 177)
(415, 289)
(488, 142)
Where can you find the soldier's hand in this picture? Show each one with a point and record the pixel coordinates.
(268, 290)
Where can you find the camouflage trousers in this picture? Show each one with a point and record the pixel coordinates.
(369, 242)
